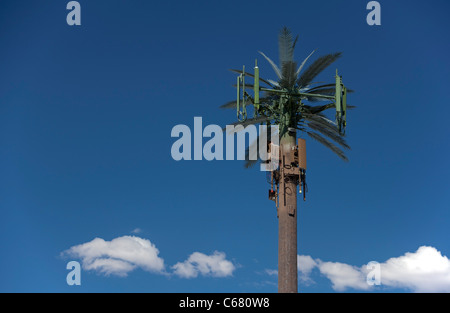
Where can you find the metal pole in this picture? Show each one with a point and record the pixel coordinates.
(287, 221)
(256, 86)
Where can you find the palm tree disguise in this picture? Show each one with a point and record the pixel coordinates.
(282, 104)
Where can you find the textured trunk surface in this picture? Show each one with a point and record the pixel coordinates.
(287, 224)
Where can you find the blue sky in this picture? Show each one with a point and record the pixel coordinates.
(86, 114)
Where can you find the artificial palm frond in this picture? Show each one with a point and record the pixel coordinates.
(274, 66)
(293, 45)
(321, 86)
(232, 104)
(326, 87)
(303, 64)
(250, 121)
(251, 160)
(250, 157)
(247, 86)
(286, 46)
(318, 66)
(313, 98)
(319, 119)
(288, 72)
(251, 75)
(324, 91)
(318, 109)
(229, 105)
(332, 134)
(328, 144)
(276, 84)
(250, 163)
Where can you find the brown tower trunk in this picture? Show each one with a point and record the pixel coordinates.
(287, 221)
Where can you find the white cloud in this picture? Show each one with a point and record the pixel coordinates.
(425, 270)
(109, 266)
(118, 256)
(343, 276)
(271, 272)
(124, 254)
(305, 264)
(137, 230)
(207, 265)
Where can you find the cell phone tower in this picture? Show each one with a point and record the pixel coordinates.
(295, 103)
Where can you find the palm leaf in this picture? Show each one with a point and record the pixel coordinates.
(250, 121)
(326, 88)
(312, 98)
(318, 66)
(321, 120)
(232, 104)
(332, 134)
(328, 144)
(320, 108)
(288, 72)
(322, 86)
(250, 162)
(229, 105)
(286, 46)
(323, 91)
(251, 75)
(274, 83)
(327, 91)
(303, 64)
(247, 86)
(274, 66)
